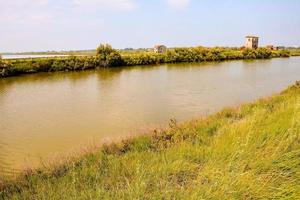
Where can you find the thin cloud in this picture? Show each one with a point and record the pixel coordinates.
(124, 5)
(178, 4)
(21, 3)
(24, 11)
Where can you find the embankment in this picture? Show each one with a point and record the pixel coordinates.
(251, 152)
(108, 57)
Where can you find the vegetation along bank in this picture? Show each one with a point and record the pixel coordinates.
(106, 56)
(251, 152)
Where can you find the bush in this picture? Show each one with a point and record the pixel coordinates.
(108, 57)
(105, 49)
(284, 53)
(264, 53)
(113, 59)
(250, 53)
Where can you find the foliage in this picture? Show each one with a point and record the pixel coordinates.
(284, 53)
(281, 53)
(113, 59)
(3, 67)
(104, 50)
(294, 52)
(250, 54)
(264, 53)
(108, 57)
(248, 153)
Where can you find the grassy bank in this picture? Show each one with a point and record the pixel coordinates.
(108, 57)
(294, 52)
(252, 152)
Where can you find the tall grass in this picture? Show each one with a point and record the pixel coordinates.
(251, 152)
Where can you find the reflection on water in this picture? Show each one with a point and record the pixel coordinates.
(47, 114)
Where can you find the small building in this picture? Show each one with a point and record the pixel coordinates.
(251, 42)
(160, 48)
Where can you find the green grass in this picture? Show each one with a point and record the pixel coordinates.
(251, 152)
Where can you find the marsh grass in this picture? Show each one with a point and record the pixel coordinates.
(251, 152)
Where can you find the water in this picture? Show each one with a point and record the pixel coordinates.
(51, 114)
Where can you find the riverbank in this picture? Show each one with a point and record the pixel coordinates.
(251, 152)
(108, 57)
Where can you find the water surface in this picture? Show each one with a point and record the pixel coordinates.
(46, 114)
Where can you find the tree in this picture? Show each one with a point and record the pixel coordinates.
(105, 50)
(107, 56)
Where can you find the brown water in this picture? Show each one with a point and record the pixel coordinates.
(46, 114)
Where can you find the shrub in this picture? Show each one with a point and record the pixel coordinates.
(249, 54)
(105, 49)
(113, 59)
(264, 53)
(108, 57)
(284, 53)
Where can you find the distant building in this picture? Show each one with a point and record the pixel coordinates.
(271, 47)
(251, 42)
(160, 48)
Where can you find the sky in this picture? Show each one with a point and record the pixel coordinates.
(41, 25)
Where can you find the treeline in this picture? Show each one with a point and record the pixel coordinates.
(108, 57)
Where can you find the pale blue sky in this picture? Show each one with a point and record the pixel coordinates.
(38, 25)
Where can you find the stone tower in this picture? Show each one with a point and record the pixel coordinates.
(251, 42)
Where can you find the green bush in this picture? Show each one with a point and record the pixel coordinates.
(264, 53)
(250, 53)
(108, 57)
(105, 50)
(113, 59)
(284, 53)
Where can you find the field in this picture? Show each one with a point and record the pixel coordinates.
(250, 152)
